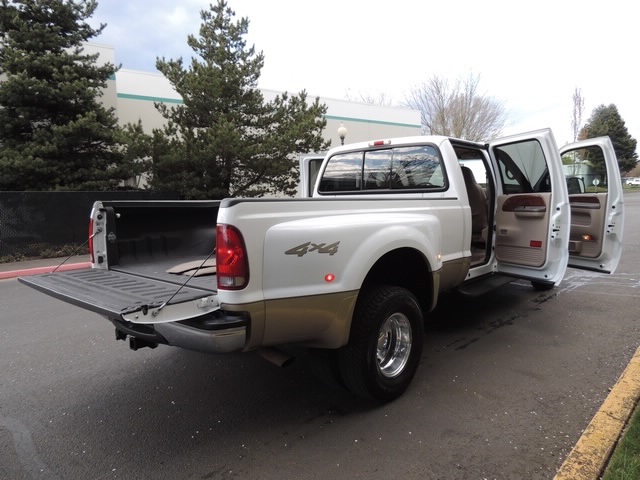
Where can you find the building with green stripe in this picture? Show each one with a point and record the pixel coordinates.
(133, 95)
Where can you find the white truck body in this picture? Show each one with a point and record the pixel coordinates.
(354, 268)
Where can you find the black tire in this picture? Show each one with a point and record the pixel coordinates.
(542, 286)
(385, 345)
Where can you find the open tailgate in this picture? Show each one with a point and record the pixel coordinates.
(120, 295)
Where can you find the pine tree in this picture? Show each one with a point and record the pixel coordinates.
(54, 132)
(225, 139)
(605, 120)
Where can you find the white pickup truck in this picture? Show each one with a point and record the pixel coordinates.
(352, 269)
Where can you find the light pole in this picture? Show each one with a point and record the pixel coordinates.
(342, 132)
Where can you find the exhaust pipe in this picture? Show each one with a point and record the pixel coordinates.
(275, 356)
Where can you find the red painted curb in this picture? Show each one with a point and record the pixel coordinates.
(35, 271)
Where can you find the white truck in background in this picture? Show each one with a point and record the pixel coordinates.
(353, 269)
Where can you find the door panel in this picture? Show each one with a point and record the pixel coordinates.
(532, 211)
(587, 224)
(597, 213)
(521, 233)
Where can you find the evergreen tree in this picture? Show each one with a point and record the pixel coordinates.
(54, 132)
(225, 139)
(605, 120)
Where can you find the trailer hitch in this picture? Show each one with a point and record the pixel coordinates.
(134, 342)
(138, 343)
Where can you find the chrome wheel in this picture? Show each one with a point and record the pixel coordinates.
(394, 345)
(385, 343)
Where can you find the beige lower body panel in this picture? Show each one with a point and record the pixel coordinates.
(316, 321)
(324, 321)
(321, 321)
(453, 274)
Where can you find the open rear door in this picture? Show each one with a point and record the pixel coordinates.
(532, 208)
(597, 205)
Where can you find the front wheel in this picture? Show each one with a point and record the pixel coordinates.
(385, 345)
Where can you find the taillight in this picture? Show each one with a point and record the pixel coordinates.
(232, 268)
(91, 240)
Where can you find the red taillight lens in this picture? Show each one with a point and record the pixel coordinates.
(231, 259)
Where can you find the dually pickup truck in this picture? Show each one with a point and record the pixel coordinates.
(352, 268)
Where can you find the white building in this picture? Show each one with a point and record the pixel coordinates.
(133, 93)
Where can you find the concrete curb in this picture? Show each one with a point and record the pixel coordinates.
(38, 270)
(589, 457)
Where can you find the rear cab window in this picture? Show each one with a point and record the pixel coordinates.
(406, 168)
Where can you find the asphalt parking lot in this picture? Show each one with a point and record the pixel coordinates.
(506, 385)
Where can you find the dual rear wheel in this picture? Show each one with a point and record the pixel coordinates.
(384, 348)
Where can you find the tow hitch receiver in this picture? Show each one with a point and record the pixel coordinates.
(135, 343)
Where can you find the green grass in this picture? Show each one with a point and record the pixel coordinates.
(625, 461)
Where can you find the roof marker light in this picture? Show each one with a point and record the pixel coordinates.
(378, 143)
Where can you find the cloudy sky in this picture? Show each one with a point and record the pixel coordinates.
(530, 55)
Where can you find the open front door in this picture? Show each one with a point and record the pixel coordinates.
(597, 204)
(532, 208)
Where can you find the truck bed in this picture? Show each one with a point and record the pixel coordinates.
(150, 238)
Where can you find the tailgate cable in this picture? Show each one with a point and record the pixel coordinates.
(164, 304)
(75, 252)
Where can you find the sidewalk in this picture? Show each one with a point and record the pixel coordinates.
(46, 265)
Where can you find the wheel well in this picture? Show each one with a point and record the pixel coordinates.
(405, 268)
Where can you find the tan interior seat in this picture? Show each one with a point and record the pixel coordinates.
(478, 203)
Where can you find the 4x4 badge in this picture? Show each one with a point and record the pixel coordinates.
(309, 247)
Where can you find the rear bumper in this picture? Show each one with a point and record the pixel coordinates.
(216, 333)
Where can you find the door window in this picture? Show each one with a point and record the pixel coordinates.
(523, 168)
(585, 170)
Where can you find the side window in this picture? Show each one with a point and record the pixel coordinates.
(416, 167)
(585, 170)
(523, 167)
(343, 173)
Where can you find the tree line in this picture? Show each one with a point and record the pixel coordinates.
(223, 140)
